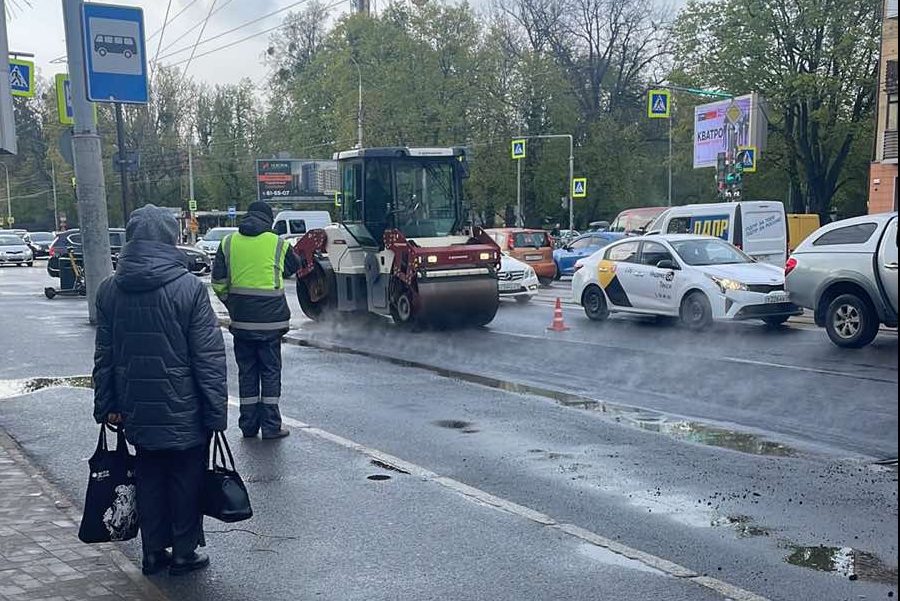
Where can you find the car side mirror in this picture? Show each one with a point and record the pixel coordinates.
(667, 264)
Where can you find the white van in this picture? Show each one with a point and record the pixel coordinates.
(759, 228)
(293, 224)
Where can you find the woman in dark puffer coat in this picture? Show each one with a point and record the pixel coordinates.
(160, 371)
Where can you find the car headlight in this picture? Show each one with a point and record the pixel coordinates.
(726, 284)
(529, 273)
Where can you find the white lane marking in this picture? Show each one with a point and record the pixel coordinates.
(485, 498)
(726, 359)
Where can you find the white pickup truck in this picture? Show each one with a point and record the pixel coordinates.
(846, 272)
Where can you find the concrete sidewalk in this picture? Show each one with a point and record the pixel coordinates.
(41, 557)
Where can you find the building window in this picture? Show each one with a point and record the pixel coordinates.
(890, 9)
(892, 112)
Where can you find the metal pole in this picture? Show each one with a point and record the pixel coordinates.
(7, 116)
(520, 221)
(359, 108)
(123, 172)
(8, 196)
(190, 170)
(671, 116)
(92, 212)
(571, 183)
(55, 200)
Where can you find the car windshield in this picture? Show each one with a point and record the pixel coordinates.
(11, 241)
(216, 234)
(425, 199)
(709, 252)
(533, 239)
(632, 222)
(41, 237)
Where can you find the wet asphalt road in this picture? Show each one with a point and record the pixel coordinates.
(734, 515)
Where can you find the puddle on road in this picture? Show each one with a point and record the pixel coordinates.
(14, 388)
(845, 561)
(742, 524)
(457, 424)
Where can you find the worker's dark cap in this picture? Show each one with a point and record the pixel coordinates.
(261, 207)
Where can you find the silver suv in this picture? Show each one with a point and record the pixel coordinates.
(846, 272)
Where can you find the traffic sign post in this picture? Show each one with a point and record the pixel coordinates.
(114, 53)
(518, 152)
(192, 206)
(21, 78)
(579, 187)
(659, 104)
(518, 149)
(747, 157)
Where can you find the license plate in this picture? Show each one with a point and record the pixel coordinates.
(533, 257)
(508, 286)
(776, 298)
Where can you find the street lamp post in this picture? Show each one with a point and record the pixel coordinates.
(8, 197)
(359, 108)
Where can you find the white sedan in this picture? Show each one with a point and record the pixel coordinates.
(696, 278)
(516, 279)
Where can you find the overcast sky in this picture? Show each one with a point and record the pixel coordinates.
(39, 30)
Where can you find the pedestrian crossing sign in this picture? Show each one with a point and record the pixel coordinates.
(747, 156)
(21, 78)
(659, 104)
(579, 187)
(518, 149)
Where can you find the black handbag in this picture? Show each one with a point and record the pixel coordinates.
(224, 493)
(110, 504)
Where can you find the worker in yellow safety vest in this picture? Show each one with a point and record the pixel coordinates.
(248, 276)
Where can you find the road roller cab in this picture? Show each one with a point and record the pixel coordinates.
(401, 247)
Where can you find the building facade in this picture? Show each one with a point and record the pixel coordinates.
(883, 185)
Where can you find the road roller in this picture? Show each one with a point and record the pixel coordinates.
(401, 247)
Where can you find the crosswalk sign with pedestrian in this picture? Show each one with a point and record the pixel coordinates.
(21, 78)
(748, 155)
(518, 149)
(659, 104)
(579, 187)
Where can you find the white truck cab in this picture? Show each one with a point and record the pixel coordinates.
(759, 228)
(291, 225)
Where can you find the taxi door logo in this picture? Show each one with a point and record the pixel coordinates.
(609, 281)
(717, 226)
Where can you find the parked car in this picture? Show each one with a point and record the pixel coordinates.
(291, 225)
(71, 239)
(759, 228)
(14, 251)
(581, 247)
(39, 243)
(198, 262)
(698, 279)
(516, 280)
(209, 243)
(635, 222)
(532, 247)
(846, 272)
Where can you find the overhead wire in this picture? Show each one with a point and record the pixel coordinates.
(249, 37)
(239, 27)
(197, 42)
(178, 14)
(192, 28)
(161, 36)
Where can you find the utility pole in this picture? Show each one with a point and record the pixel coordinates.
(669, 197)
(92, 212)
(520, 220)
(359, 106)
(7, 117)
(122, 161)
(55, 200)
(8, 196)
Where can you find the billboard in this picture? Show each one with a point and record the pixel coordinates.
(296, 180)
(710, 122)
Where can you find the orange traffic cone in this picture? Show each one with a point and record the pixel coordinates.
(558, 324)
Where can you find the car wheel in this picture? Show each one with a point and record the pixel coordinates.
(523, 299)
(594, 302)
(776, 321)
(49, 293)
(545, 282)
(30, 263)
(851, 321)
(558, 275)
(402, 311)
(127, 54)
(696, 312)
(101, 51)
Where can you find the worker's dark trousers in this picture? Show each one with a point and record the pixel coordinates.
(259, 383)
(169, 485)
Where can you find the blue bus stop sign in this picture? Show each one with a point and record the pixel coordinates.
(232, 212)
(115, 56)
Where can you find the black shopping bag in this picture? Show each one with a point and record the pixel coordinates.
(224, 493)
(110, 505)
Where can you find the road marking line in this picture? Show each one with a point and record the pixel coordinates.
(485, 498)
(814, 370)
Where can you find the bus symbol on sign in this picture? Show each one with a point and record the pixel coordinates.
(106, 44)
